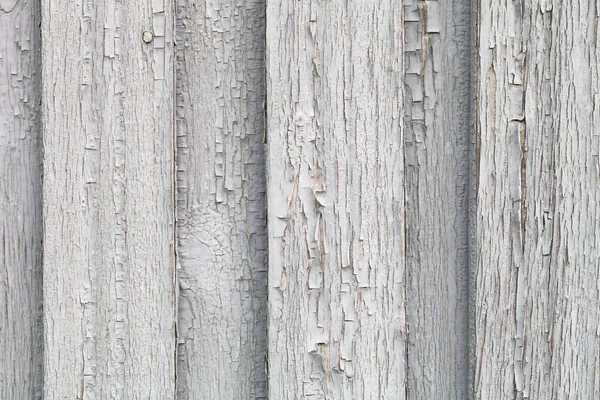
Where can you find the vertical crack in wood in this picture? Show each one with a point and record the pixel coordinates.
(474, 9)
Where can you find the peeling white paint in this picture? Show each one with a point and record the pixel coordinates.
(372, 224)
(109, 294)
(221, 202)
(537, 274)
(336, 200)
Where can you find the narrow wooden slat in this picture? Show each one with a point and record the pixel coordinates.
(109, 297)
(221, 200)
(336, 200)
(20, 202)
(537, 314)
(437, 49)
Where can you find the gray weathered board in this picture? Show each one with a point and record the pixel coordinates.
(237, 199)
(21, 336)
(537, 298)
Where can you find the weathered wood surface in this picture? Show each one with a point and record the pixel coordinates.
(109, 270)
(437, 135)
(221, 200)
(372, 219)
(20, 202)
(335, 200)
(536, 314)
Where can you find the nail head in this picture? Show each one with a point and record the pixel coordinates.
(147, 36)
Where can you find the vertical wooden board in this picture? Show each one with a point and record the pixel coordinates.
(537, 316)
(437, 51)
(221, 200)
(20, 202)
(109, 296)
(336, 200)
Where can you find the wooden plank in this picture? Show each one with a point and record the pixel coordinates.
(109, 296)
(221, 200)
(336, 200)
(20, 202)
(437, 139)
(538, 218)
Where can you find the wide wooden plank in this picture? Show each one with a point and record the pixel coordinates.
(537, 315)
(221, 200)
(109, 295)
(336, 200)
(437, 49)
(20, 202)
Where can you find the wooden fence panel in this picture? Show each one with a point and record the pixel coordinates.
(431, 171)
(538, 216)
(221, 209)
(109, 269)
(335, 173)
(20, 202)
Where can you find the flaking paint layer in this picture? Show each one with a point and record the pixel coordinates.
(221, 200)
(109, 295)
(336, 200)
(537, 271)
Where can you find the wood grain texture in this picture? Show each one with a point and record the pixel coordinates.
(538, 277)
(109, 296)
(437, 140)
(221, 200)
(336, 200)
(20, 202)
